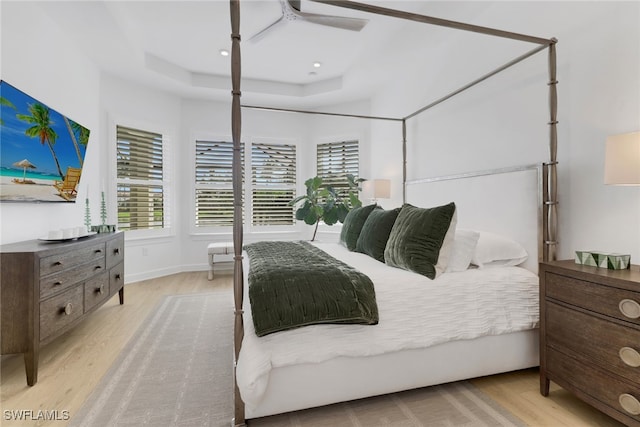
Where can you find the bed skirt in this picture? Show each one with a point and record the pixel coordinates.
(297, 387)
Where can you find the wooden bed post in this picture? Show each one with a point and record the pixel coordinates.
(404, 161)
(236, 127)
(552, 202)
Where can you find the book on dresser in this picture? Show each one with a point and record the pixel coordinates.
(590, 335)
(46, 288)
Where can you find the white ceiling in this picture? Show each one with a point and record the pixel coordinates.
(174, 46)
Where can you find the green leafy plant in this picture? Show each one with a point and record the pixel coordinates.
(324, 203)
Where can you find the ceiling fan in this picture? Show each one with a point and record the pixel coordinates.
(291, 11)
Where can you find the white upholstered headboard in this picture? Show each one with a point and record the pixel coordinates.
(505, 201)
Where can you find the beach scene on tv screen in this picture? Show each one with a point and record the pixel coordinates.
(41, 151)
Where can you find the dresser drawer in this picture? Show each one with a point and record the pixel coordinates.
(96, 290)
(59, 311)
(57, 263)
(594, 340)
(604, 388)
(116, 278)
(54, 283)
(591, 296)
(115, 251)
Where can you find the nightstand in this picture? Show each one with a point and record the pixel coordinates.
(590, 335)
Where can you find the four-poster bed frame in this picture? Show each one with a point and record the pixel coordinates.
(548, 239)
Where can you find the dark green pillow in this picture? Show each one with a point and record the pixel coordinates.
(416, 238)
(375, 233)
(353, 225)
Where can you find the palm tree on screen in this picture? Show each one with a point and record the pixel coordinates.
(42, 129)
(5, 102)
(79, 135)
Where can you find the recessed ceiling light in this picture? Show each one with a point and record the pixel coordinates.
(317, 64)
(224, 52)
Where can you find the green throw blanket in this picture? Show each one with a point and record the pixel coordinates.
(293, 284)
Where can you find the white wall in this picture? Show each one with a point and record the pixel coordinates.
(604, 89)
(127, 104)
(38, 59)
(502, 121)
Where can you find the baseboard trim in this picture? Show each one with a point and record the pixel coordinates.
(154, 274)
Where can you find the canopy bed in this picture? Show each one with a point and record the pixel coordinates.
(272, 373)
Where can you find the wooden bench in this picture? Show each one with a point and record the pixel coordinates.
(218, 248)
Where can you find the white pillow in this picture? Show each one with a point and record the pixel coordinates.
(494, 250)
(464, 247)
(447, 245)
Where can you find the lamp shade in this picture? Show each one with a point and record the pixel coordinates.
(381, 188)
(622, 159)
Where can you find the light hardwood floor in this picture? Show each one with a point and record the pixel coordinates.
(72, 365)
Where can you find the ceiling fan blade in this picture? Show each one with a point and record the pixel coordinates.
(352, 24)
(295, 4)
(261, 34)
(345, 23)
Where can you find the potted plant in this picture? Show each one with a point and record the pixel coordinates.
(323, 203)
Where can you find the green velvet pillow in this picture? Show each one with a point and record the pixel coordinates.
(416, 238)
(375, 233)
(353, 225)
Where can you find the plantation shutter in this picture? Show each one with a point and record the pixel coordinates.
(214, 183)
(273, 181)
(334, 161)
(140, 179)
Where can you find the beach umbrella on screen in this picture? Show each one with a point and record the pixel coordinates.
(24, 164)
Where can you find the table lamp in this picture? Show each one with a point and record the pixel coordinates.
(380, 188)
(622, 159)
(621, 167)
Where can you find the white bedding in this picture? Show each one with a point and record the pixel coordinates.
(415, 312)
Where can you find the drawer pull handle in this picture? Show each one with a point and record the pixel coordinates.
(117, 276)
(57, 283)
(630, 356)
(629, 308)
(68, 308)
(629, 403)
(98, 251)
(97, 267)
(57, 263)
(100, 290)
(116, 251)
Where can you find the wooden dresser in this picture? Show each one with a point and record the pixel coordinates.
(48, 287)
(590, 335)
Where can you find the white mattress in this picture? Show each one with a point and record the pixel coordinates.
(415, 312)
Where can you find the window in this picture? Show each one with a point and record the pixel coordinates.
(214, 183)
(141, 180)
(273, 183)
(334, 161)
(270, 188)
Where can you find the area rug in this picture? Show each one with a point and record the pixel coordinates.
(177, 371)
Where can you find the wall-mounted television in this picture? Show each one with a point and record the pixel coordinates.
(41, 151)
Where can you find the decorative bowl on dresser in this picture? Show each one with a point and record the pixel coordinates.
(590, 335)
(46, 288)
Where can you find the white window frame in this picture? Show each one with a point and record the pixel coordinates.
(205, 230)
(249, 185)
(336, 228)
(249, 228)
(335, 140)
(168, 136)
